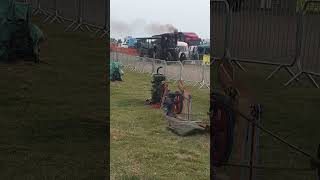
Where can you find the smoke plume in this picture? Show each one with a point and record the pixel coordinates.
(160, 28)
(139, 27)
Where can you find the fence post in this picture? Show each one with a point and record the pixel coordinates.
(181, 70)
(203, 83)
(318, 154)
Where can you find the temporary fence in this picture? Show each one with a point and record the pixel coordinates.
(265, 33)
(206, 76)
(148, 65)
(309, 46)
(192, 72)
(159, 63)
(84, 15)
(174, 70)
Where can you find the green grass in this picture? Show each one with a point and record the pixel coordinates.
(291, 112)
(53, 116)
(142, 147)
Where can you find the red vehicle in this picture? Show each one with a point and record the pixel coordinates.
(190, 37)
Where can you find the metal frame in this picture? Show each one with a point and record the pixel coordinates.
(130, 64)
(301, 30)
(39, 10)
(78, 23)
(55, 17)
(287, 66)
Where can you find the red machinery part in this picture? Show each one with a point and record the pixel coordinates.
(222, 129)
(178, 103)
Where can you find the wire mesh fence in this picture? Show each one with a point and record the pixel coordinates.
(192, 72)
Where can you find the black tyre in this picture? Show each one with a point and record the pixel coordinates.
(183, 57)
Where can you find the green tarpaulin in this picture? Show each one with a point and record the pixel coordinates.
(18, 36)
(115, 71)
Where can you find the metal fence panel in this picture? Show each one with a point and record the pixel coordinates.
(124, 59)
(114, 56)
(148, 65)
(68, 9)
(47, 5)
(263, 36)
(310, 52)
(192, 71)
(218, 16)
(94, 12)
(257, 32)
(33, 3)
(160, 63)
(206, 75)
(174, 70)
(139, 64)
(131, 60)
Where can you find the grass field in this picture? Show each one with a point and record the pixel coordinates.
(142, 147)
(53, 119)
(53, 116)
(291, 112)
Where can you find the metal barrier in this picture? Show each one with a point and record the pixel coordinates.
(206, 76)
(308, 51)
(192, 72)
(68, 9)
(268, 34)
(148, 66)
(82, 14)
(174, 70)
(139, 64)
(160, 63)
(124, 59)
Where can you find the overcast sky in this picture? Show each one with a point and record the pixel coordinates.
(129, 17)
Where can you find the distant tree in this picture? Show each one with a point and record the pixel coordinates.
(113, 40)
(119, 41)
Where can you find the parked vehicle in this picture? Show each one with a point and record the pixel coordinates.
(191, 38)
(183, 50)
(130, 42)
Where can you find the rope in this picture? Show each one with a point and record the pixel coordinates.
(275, 136)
